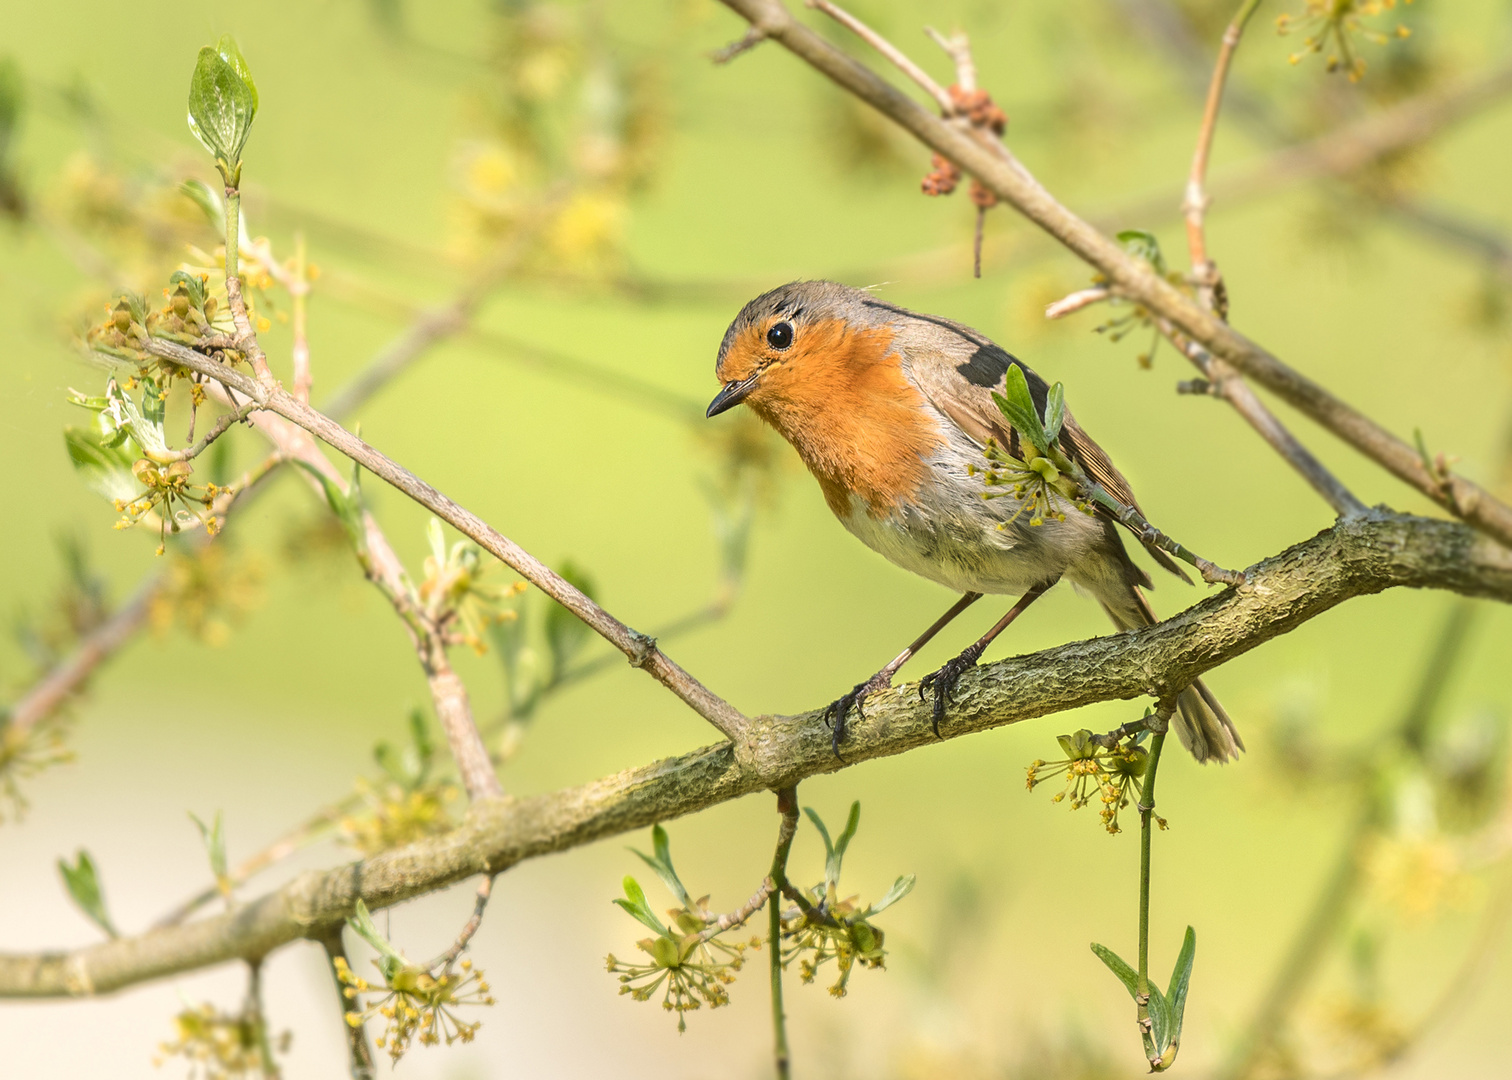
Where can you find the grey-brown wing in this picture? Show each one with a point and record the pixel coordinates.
(960, 381)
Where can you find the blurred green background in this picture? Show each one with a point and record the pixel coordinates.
(374, 120)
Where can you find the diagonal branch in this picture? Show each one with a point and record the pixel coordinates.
(1354, 558)
(640, 649)
(1001, 173)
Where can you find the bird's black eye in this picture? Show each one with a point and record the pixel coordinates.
(780, 336)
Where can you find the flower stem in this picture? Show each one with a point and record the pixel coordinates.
(1146, 821)
(233, 229)
(787, 805)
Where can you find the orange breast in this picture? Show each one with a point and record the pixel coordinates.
(840, 397)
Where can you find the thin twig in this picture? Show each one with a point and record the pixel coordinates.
(718, 924)
(1194, 206)
(294, 840)
(641, 651)
(1221, 380)
(480, 904)
(958, 47)
(1073, 302)
(359, 1053)
(787, 806)
(743, 44)
(1146, 822)
(223, 424)
(890, 52)
(299, 291)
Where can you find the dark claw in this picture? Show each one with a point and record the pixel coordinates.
(943, 682)
(835, 713)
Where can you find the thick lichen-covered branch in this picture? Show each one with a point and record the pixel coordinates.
(1357, 557)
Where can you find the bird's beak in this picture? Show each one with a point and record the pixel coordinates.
(732, 395)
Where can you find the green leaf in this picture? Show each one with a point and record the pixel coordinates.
(1144, 245)
(222, 104)
(83, 884)
(192, 283)
(637, 906)
(215, 847)
(1181, 977)
(1126, 975)
(565, 632)
(662, 864)
(197, 192)
(1018, 406)
(1055, 412)
(829, 848)
(346, 505)
(437, 540)
(851, 822)
(1160, 1019)
(420, 735)
(900, 888)
(105, 469)
(390, 960)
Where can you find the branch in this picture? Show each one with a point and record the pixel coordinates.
(1222, 381)
(1354, 558)
(998, 171)
(1195, 205)
(640, 649)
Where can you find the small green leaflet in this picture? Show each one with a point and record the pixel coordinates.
(83, 884)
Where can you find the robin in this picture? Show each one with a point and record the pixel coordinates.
(891, 411)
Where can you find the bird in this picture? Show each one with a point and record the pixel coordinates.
(892, 412)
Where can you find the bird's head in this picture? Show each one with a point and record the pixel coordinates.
(786, 345)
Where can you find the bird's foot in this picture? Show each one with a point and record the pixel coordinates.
(838, 710)
(943, 682)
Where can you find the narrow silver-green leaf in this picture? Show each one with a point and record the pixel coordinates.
(900, 888)
(637, 906)
(1017, 404)
(1055, 412)
(83, 884)
(837, 856)
(1126, 975)
(105, 469)
(1181, 977)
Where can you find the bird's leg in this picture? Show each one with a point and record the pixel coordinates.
(943, 681)
(837, 711)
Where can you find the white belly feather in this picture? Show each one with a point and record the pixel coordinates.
(950, 534)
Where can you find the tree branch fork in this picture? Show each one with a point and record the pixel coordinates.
(1356, 557)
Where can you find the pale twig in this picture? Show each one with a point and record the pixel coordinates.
(890, 52)
(638, 648)
(1194, 206)
(718, 924)
(743, 44)
(1082, 298)
(469, 928)
(1133, 278)
(958, 47)
(383, 567)
(1353, 558)
(295, 839)
(222, 425)
(1220, 380)
(299, 290)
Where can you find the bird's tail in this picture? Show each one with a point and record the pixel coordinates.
(1201, 724)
